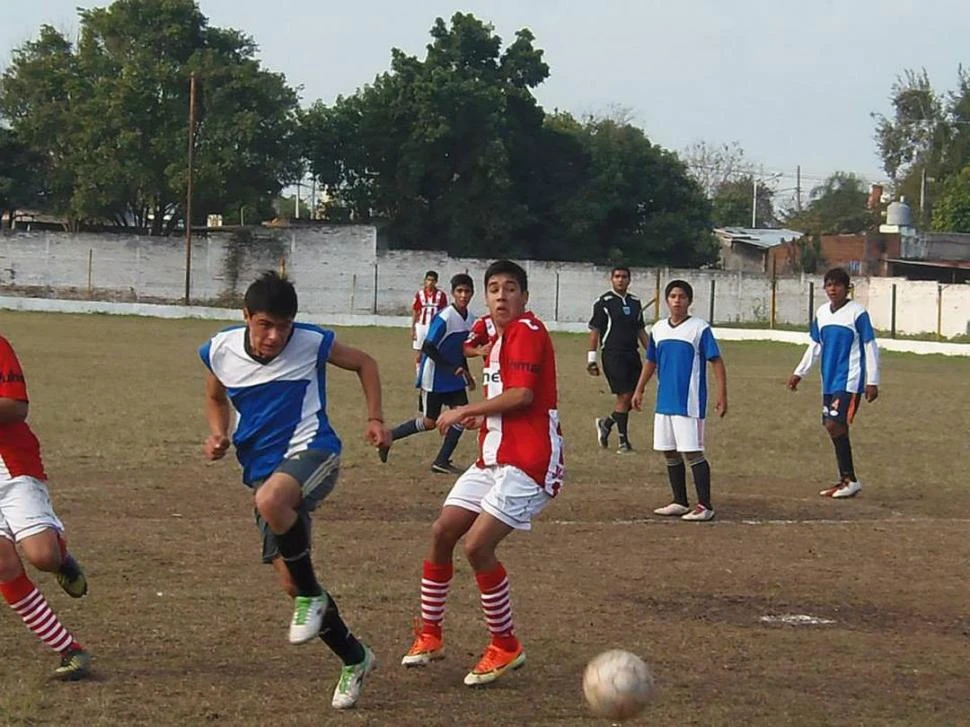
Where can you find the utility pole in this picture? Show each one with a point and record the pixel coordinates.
(188, 191)
(297, 200)
(754, 200)
(798, 188)
(922, 197)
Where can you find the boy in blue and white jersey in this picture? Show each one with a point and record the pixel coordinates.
(269, 376)
(443, 378)
(678, 350)
(843, 338)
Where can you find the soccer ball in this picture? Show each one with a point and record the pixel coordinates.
(617, 684)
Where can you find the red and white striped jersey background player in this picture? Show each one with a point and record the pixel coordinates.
(19, 448)
(528, 438)
(428, 304)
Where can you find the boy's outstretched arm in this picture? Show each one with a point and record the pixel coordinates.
(364, 365)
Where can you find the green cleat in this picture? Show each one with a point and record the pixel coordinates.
(307, 617)
(351, 681)
(75, 664)
(72, 579)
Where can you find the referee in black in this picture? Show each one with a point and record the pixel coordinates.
(617, 326)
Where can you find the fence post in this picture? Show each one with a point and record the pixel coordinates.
(353, 292)
(555, 315)
(90, 267)
(774, 294)
(282, 266)
(939, 311)
(892, 315)
(710, 318)
(811, 302)
(656, 299)
(374, 307)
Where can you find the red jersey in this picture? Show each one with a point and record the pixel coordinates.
(19, 448)
(427, 305)
(482, 332)
(530, 438)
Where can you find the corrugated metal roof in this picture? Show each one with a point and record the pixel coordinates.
(763, 238)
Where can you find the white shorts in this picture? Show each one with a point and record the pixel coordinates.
(420, 333)
(25, 509)
(504, 492)
(683, 434)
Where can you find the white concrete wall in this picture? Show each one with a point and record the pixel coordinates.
(338, 270)
(724, 333)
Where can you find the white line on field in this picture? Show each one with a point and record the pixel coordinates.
(820, 521)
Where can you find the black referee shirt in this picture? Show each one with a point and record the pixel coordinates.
(619, 319)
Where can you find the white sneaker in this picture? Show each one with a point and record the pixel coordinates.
(307, 618)
(674, 509)
(699, 514)
(351, 681)
(849, 489)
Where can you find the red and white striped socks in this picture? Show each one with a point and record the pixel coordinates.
(435, 581)
(30, 604)
(497, 607)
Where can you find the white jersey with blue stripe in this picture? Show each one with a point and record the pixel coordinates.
(280, 406)
(681, 354)
(447, 333)
(846, 343)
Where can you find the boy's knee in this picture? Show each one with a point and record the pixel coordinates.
(478, 552)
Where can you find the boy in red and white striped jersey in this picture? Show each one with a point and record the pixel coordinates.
(428, 302)
(519, 470)
(28, 520)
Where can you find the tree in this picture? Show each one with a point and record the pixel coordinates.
(456, 154)
(714, 165)
(732, 203)
(22, 175)
(111, 114)
(837, 206)
(927, 137)
(951, 213)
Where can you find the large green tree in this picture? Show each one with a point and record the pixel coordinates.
(111, 115)
(456, 154)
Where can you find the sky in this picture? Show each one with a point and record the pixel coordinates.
(795, 83)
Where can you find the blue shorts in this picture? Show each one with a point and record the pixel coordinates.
(840, 407)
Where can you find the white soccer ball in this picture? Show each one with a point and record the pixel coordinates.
(617, 684)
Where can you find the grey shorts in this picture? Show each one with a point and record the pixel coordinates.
(316, 470)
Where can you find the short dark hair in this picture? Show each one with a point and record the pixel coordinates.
(462, 279)
(432, 274)
(837, 276)
(507, 267)
(683, 285)
(273, 294)
(618, 268)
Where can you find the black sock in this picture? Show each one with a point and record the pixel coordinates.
(621, 418)
(701, 472)
(335, 634)
(608, 422)
(448, 446)
(843, 455)
(677, 474)
(294, 547)
(406, 429)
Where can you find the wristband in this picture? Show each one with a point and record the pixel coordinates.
(590, 358)
(375, 419)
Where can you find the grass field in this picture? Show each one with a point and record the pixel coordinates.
(188, 628)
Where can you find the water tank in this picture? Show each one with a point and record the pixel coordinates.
(899, 214)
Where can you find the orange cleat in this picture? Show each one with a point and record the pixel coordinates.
(494, 663)
(427, 647)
